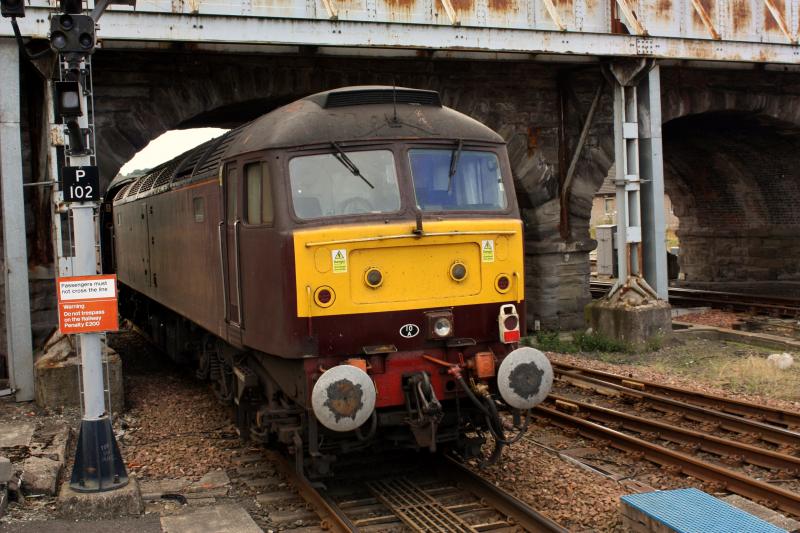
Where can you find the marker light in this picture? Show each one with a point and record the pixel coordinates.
(502, 283)
(324, 296)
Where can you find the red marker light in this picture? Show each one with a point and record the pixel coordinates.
(324, 296)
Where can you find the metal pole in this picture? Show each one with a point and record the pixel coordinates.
(98, 462)
(91, 346)
(652, 172)
(15, 254)
(620, 157)
(628, 137)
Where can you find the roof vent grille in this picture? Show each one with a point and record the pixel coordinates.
(382, 96)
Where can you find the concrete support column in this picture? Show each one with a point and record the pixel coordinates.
(651, 171)
(15, 253)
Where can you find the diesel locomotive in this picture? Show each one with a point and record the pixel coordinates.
(347, 270)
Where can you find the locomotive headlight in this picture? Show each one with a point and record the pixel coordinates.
(442, 327)
(458, 271)
(440, 324)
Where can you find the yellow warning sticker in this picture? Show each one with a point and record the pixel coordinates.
(339, 258)
(487, 251)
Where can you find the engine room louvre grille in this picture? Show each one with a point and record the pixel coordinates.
(382, 96)
(166, 174)
(185, 169)
(209, 165)
(147, 182)
(135, 187)
(212, 156)
(121, 193)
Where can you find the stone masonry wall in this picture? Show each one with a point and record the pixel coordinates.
(141, 95)
(735, 184)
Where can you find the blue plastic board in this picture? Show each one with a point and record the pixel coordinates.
(694, 511)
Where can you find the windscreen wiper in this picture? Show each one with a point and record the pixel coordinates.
(454, 163)
(348, 163)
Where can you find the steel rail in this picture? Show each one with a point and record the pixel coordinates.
(333, 519)
(765, 432)
(735, 482)
(678, 435)
(764, 413)
(719, 299)
(522, 514)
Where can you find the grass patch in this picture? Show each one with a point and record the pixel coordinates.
(729, 365)
(553, 341)
(756, 375)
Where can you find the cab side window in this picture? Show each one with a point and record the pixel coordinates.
(258, 190)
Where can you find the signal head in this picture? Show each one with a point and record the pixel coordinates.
(72, 33)
(12, 8)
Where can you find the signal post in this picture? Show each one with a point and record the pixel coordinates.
(87, 301)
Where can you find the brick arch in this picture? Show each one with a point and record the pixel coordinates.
(688, 92)
(734, 181)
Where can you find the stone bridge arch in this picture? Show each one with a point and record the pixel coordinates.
(538, 108)
(732, 171)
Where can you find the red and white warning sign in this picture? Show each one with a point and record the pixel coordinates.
(87, 304)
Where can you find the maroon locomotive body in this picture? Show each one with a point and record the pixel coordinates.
(347, 270)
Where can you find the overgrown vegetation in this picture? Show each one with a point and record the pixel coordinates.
(580, 341)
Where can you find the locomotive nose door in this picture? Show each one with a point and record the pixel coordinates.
(229, 227)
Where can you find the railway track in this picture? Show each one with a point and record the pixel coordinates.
(770, 305)
(771, 415)
(761, 431)
(414, 494)
(699, 454)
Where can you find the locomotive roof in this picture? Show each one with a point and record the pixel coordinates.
(360, 113)
(348, 114)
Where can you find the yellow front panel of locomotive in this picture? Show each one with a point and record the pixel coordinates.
(415, 272)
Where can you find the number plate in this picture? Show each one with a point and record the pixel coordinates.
(80, 184)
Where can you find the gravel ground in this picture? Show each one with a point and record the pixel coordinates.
(714, 317)
(173, 427)
(572, 496)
